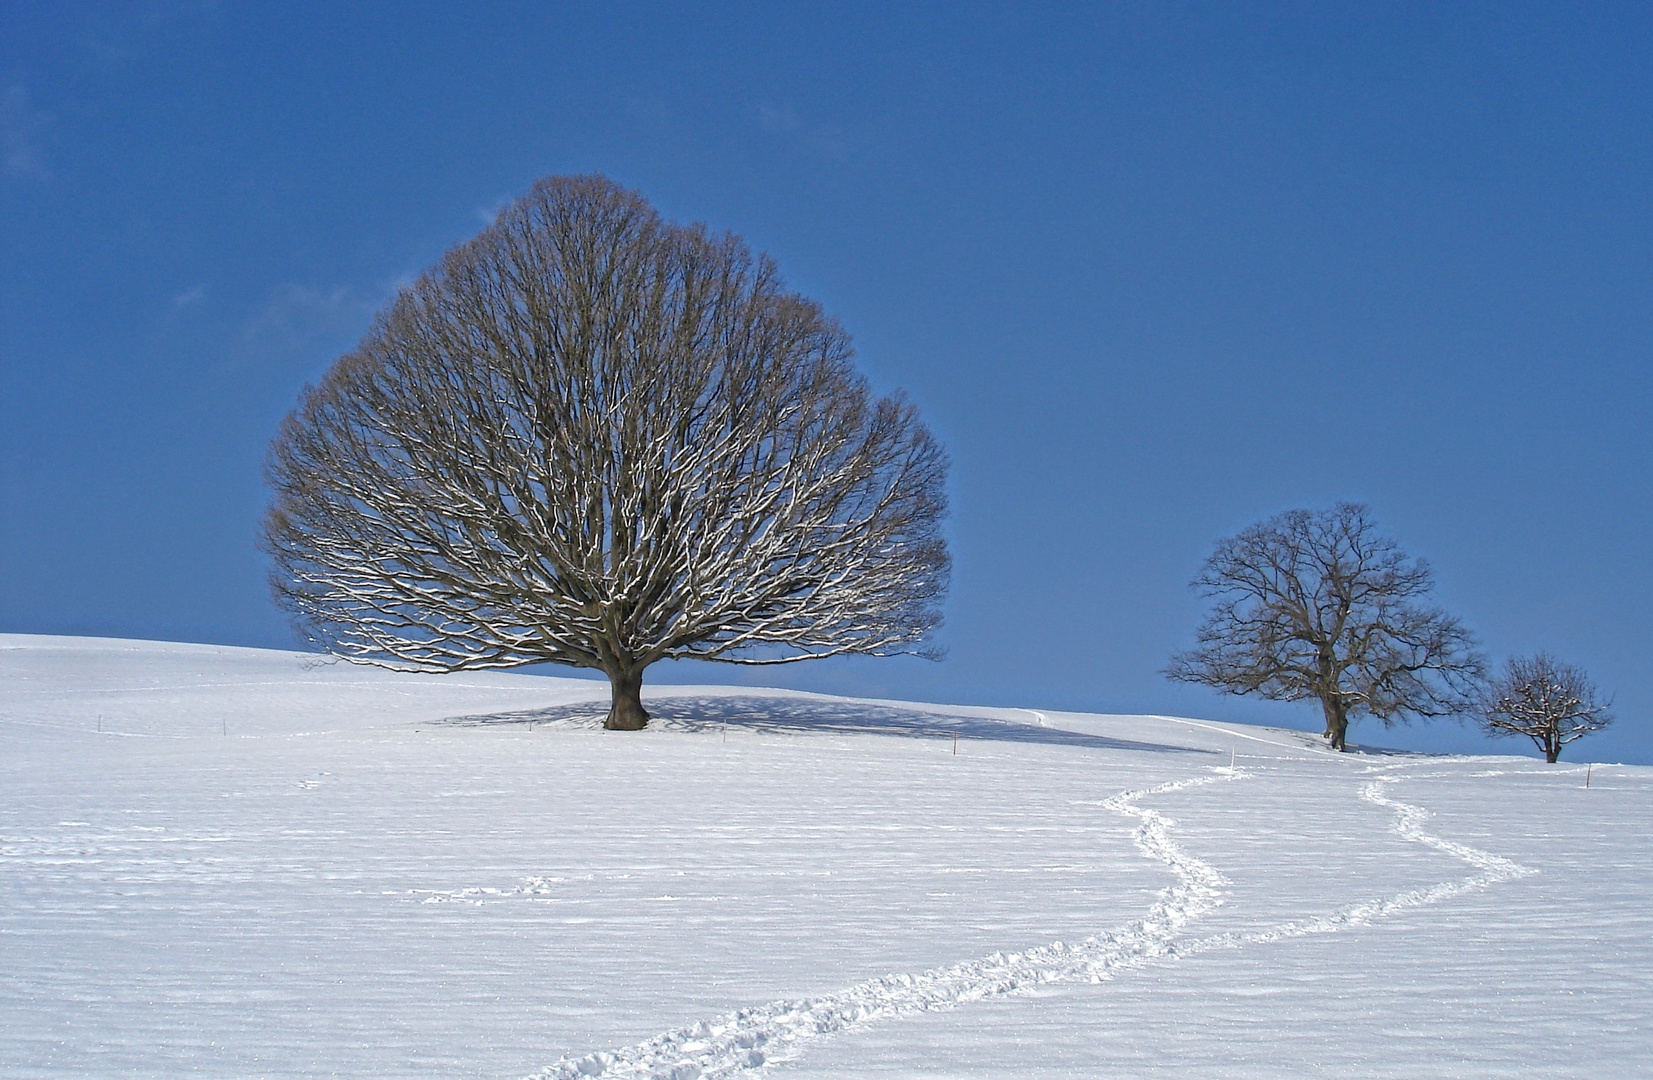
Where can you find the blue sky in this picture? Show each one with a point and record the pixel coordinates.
(1151, 271)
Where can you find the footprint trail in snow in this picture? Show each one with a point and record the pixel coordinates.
(773, 1032)
(1408, 825)
(751, 1037)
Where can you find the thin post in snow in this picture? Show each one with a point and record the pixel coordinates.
(1588, 769)
(226, 724)
(955, 744)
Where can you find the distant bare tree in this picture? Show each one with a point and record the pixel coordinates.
(1317, 605)
(1549, 702)
(593, 437)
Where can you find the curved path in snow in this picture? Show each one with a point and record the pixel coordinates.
(772, 1032)
(751, 1037)
(1408, 824)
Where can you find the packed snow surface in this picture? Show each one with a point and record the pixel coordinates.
(238, 863)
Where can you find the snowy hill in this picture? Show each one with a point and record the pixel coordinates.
(239, 863)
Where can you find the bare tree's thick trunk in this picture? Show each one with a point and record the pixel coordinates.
(625, 711)
(1337, 721)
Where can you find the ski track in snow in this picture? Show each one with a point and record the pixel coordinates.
(751, 1037)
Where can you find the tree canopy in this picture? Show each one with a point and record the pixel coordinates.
(593, 437)
(1319, 605)
(1550, 702)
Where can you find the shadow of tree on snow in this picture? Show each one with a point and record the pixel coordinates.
(802, 715)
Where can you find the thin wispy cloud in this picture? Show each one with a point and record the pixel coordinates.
(189, 297)
(303, 322)
(21, 157)
(654, 118)
(783, 120)
(488, 214)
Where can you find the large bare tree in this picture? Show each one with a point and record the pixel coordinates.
(1549, 702)
(593, 437)
(1318, 605)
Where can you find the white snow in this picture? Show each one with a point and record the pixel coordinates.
(263, 866)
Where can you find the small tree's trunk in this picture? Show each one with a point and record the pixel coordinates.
(1337, 721)
(625, 713)
(1552, 747)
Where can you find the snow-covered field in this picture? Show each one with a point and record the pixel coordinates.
(265, 867)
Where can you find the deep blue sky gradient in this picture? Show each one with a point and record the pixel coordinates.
(1151, 271)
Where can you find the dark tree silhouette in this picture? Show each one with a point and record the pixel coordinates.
(593, 437)
(1549, 702)
(1317, 605)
